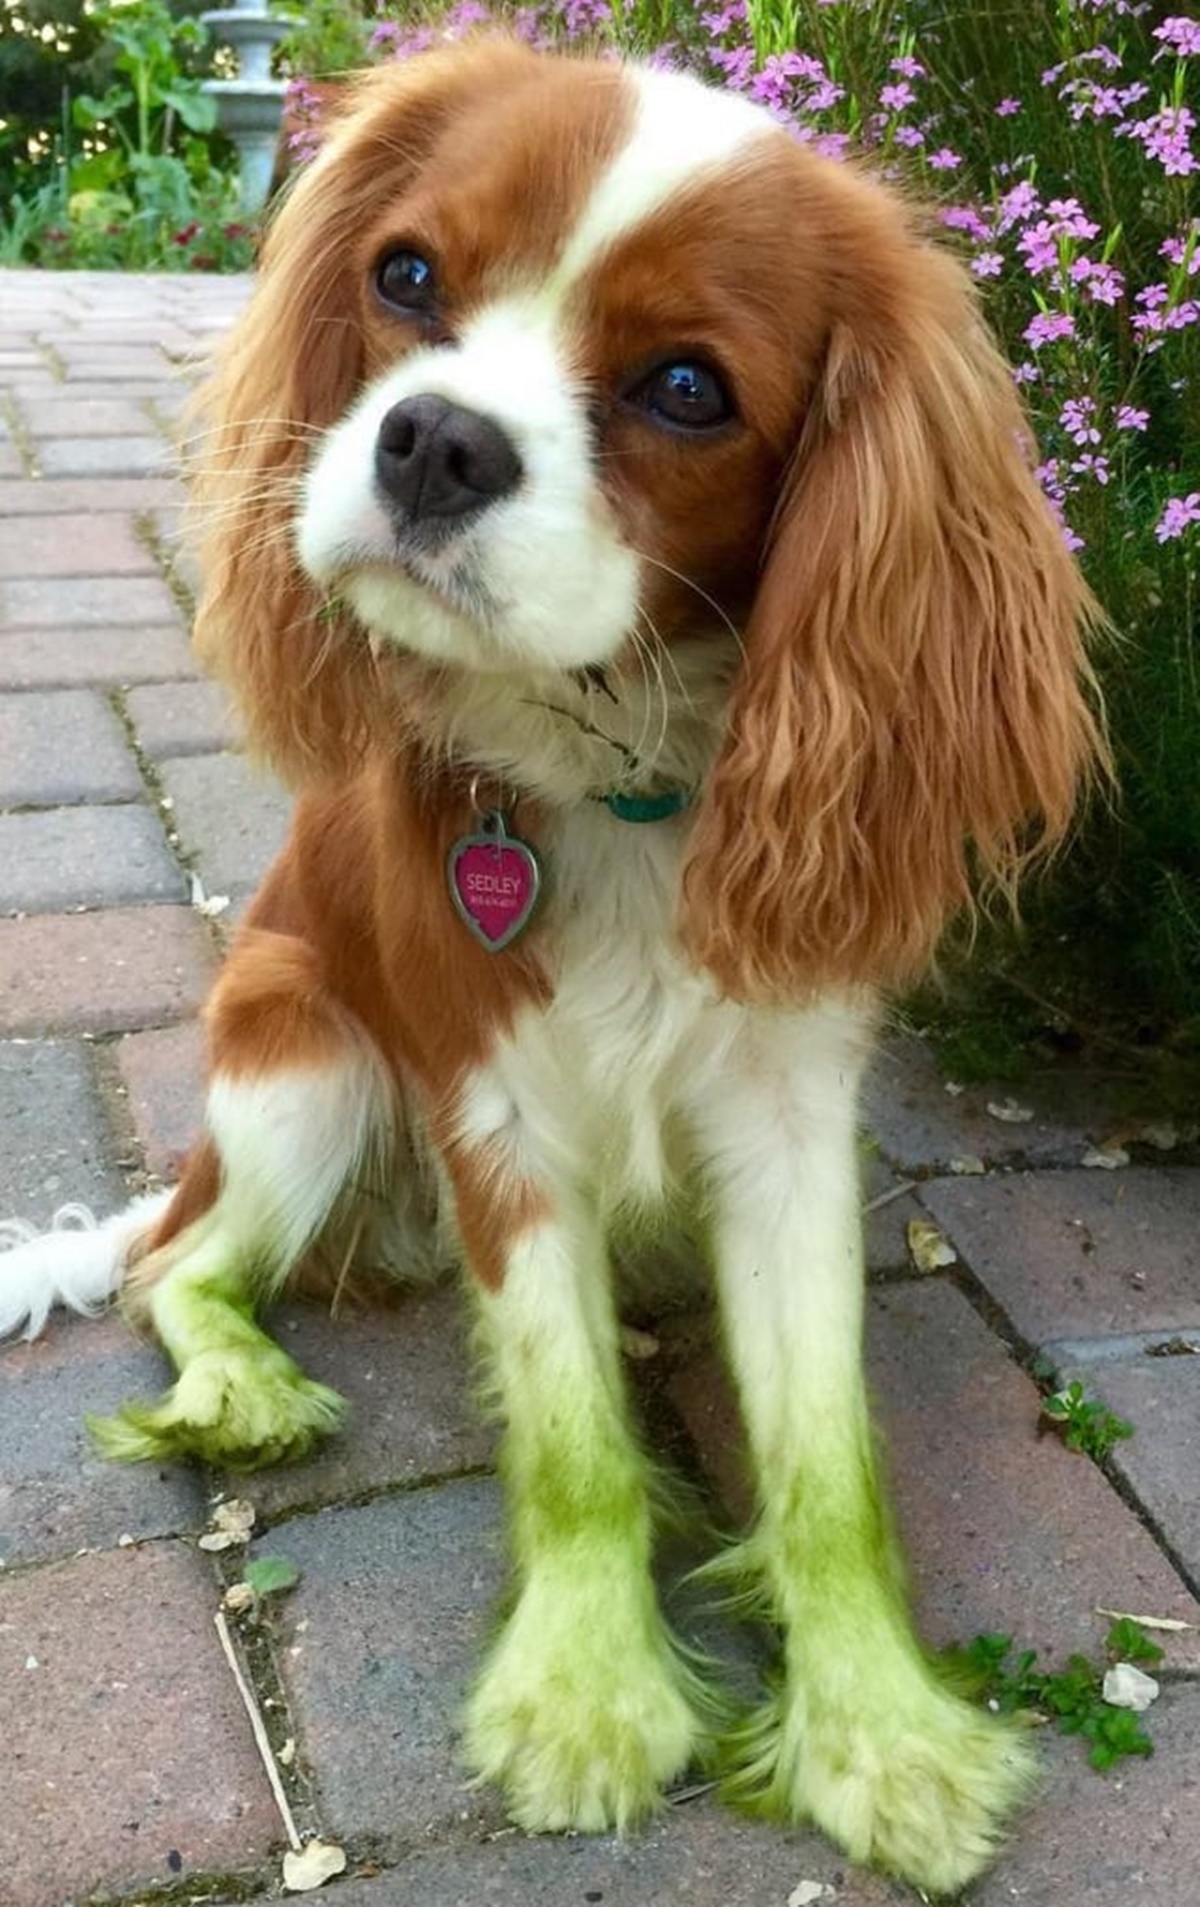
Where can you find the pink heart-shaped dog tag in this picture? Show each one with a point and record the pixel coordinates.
(494, 879)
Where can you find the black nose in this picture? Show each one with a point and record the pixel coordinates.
(437, 459)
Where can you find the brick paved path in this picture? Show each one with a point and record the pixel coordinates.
(126, 1762)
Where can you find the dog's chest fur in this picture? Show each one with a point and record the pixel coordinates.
(598, 1076)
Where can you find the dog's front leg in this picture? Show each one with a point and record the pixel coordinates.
(863, 1737)
(583, 1709)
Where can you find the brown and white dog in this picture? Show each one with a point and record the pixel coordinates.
(619, 525)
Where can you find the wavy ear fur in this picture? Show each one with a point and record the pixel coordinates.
(300, 668)
(914, 703)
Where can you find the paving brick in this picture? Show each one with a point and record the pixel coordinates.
(64, 545)
(103, 456)
(56, 1495)
(62, 658)
(1006, 1531)
(77, 415)
(55, 1142)
(182, 718)
(1081, 1254)
(163, 1075)
(39, 496)
(109, 972)
(394, 1604)
(230, 816)
(85, 602)
(128, 1758)
(1109, 1841)
(52, 859)
(1160, 1397)
(113, 362)
(407, 1377)
(61, 746)
(922, 1128)
(698, 1855)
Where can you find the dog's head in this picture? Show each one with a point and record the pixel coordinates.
(554, 359)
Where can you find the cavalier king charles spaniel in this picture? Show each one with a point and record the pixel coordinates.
(618, 525)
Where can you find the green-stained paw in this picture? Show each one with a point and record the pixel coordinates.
(235, 1408)
(895, 1768)
(582, 1718)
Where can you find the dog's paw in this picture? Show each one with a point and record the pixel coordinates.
(580, 1719)
(912, 1780)
(236, 1409)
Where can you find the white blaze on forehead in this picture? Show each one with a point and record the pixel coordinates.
(544, 575)
(681, 131)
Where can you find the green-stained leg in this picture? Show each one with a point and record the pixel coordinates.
(240, 1401)
(863, 1738)
(583, 1709)
(289, 1144)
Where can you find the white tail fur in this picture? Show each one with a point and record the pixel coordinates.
(77, 1263)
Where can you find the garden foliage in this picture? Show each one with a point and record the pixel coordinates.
(126, 168)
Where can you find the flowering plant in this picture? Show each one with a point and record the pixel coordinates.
(1063, 161)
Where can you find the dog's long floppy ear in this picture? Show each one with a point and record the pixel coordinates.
(300, 668)
(914, 702)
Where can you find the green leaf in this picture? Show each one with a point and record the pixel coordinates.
(270, 1575)
(197, 110)
(1127, 1642)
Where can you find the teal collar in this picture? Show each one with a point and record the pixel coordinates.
(647, 807)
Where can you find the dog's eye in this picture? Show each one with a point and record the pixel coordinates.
(406, 281)
(686, 393)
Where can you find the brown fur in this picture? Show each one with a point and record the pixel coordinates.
(914, 690)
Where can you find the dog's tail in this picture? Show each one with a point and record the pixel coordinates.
(77, 1263)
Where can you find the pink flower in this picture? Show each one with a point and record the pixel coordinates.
(1178, 515)
(1017, 204)
(943, 160)
(907, 67)
(1090, 465)
(1184, 250)
(1048, 326)
(987, 264)
(1005, 108)
(1077, 419)
(1102, 284)
(896, 98)
(965, 218)
(1165, 135)
(1179, 35)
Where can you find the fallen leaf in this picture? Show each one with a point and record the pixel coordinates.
(287, 1754)
(232, 1523)
(1173, 1625)
(309, 1867)
(809, 1891)
(269, 1575)
(1126, 1686)
(210, 905)
(639, 1345)
(968, 1166)
(1009, 1112)
(238, 1598)
(929, 1249)
(1104, 1158)
(1162, 1135)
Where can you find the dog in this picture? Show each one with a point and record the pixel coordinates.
(618, 524)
